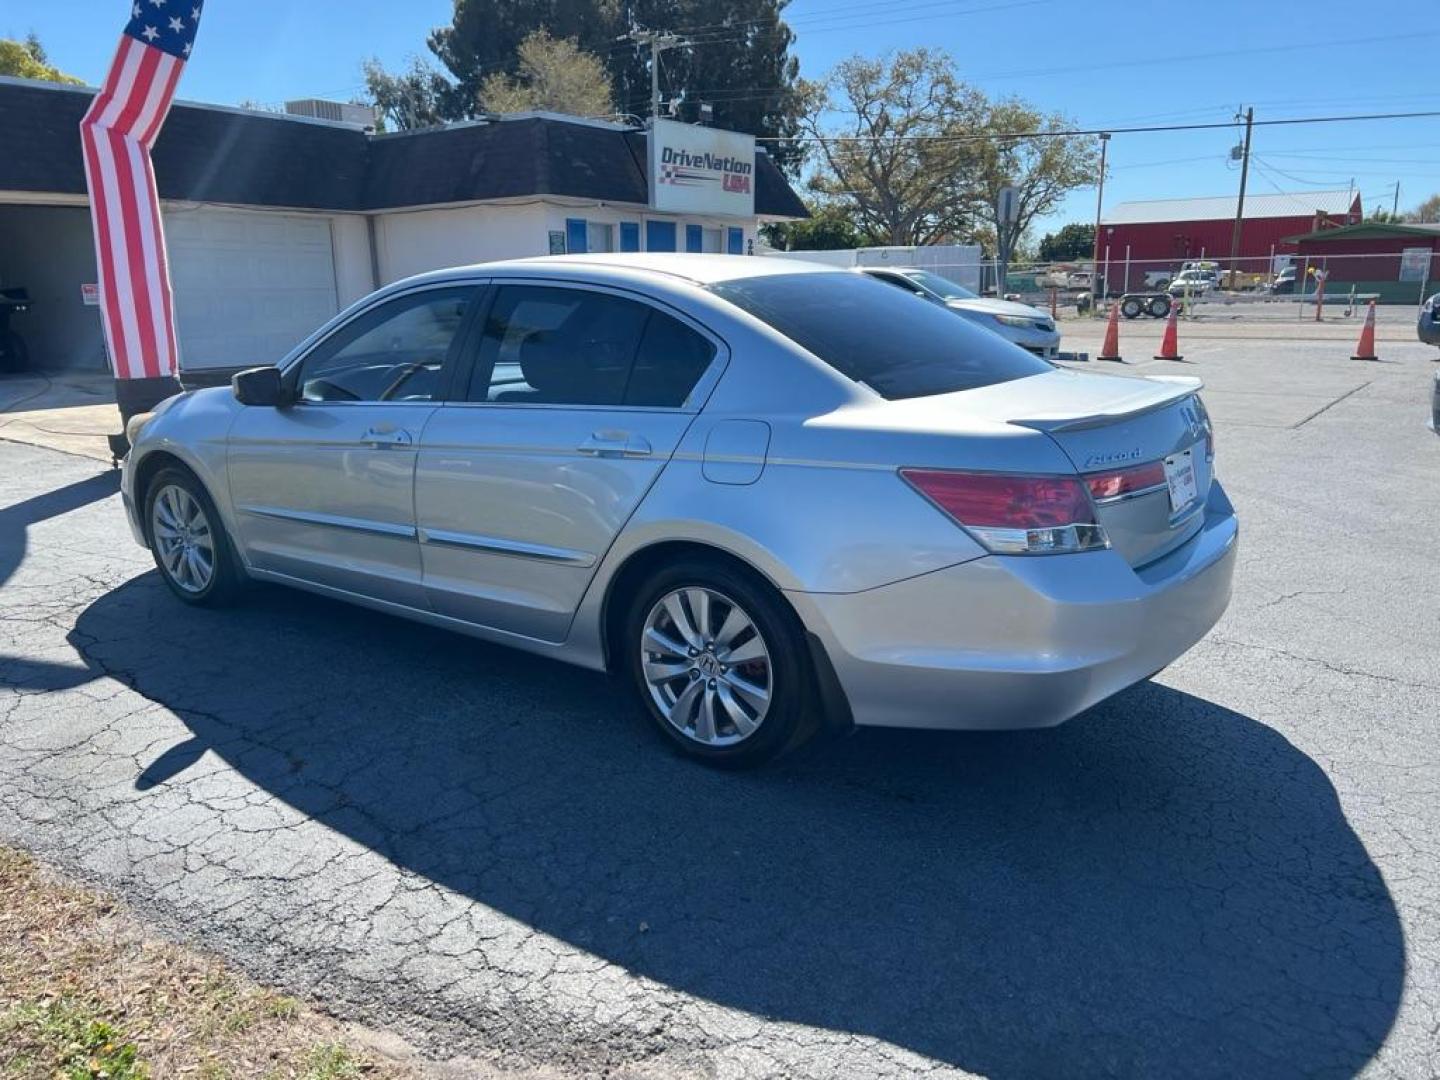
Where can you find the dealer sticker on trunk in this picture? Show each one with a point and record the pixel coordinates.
(1180, 475)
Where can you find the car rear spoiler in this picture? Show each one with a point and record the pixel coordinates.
(1152, 392)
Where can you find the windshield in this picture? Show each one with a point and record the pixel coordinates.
(877, 335)
(940, 286)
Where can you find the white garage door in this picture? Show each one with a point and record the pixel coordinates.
(248, 285)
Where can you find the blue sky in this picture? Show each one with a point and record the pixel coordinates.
(1102, 63)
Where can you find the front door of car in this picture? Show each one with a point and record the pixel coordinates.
(323, 488)
(577, 398)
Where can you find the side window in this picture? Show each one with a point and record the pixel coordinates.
(671, 360)
(395, 353)
(555, 346)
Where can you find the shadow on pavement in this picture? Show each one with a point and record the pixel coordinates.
(1164, 887)
(16, 520)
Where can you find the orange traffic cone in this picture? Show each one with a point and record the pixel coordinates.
(1365, 350)
(1111, 349)
(1170, 343)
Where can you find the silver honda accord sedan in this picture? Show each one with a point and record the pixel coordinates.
(772, 497)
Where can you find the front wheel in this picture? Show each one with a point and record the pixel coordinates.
(189, 542)
(720, 663)
(1131, 308)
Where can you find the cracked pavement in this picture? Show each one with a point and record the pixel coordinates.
(1229, 871)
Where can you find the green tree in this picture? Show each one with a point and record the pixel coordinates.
(920, 156)
(414, 98)
(554, 75)
(484, 37)
(1428, 212)
(1073, 241)
(828, 228)
(1041, 170)
(27, 60)
(737, 59)
(895, 145)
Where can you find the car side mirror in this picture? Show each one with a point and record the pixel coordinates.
(262, 386)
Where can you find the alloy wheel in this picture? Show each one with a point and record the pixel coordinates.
(183, 538)
(707, 666)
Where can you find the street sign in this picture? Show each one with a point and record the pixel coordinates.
(1007, 206)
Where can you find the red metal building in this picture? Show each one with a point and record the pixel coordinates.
(1162, 231)
(1394, 262)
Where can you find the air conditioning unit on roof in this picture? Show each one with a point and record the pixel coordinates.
(342, 111)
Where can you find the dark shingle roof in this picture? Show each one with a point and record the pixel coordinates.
(211, 154)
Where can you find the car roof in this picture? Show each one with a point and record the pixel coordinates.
(696, 268)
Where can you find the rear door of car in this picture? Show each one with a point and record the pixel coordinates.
(575, 399)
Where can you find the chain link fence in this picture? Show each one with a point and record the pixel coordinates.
(1278, 287)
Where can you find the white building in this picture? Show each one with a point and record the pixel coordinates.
(274, 222)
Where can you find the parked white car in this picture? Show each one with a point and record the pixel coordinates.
(1193, 283)
(1030, 328)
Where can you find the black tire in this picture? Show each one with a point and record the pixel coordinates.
(1159, 307)
(793, 713)
(1131, 308)
(227, 579)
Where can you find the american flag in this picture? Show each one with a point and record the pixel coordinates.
(116, 135)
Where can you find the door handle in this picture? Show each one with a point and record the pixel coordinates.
(615, 444)
(387, 435)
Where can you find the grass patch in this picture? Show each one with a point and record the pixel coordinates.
(87, 993)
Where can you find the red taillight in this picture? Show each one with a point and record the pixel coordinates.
(1117, 482)
(1014, 514)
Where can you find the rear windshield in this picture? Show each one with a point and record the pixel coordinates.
(897, 344)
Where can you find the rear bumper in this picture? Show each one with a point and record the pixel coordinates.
(1015, 642)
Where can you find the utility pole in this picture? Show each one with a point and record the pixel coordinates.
(1395, 207)
(659, 41)
(1099, 207)
(1240, 203)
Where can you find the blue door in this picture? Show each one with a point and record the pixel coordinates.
(735, 240)
(694, 239)
(629, 236)
(576, 238)
(659, 236)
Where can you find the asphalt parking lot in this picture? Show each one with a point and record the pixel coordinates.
(1231, 870)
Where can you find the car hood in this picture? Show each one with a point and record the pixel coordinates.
(997, 307)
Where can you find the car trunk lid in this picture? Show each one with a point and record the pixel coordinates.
(1153, 428)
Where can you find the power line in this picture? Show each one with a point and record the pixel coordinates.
(1071, 132)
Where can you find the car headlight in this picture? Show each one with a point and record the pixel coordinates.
(1019, 321)
(135, 425)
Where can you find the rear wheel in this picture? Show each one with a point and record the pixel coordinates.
(189, 542)
(1131, 307)
(720, 663)
(1159, 307)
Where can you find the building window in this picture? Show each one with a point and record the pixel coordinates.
(629, 236)
(694, 238)
(601, 236)
(735, 240)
